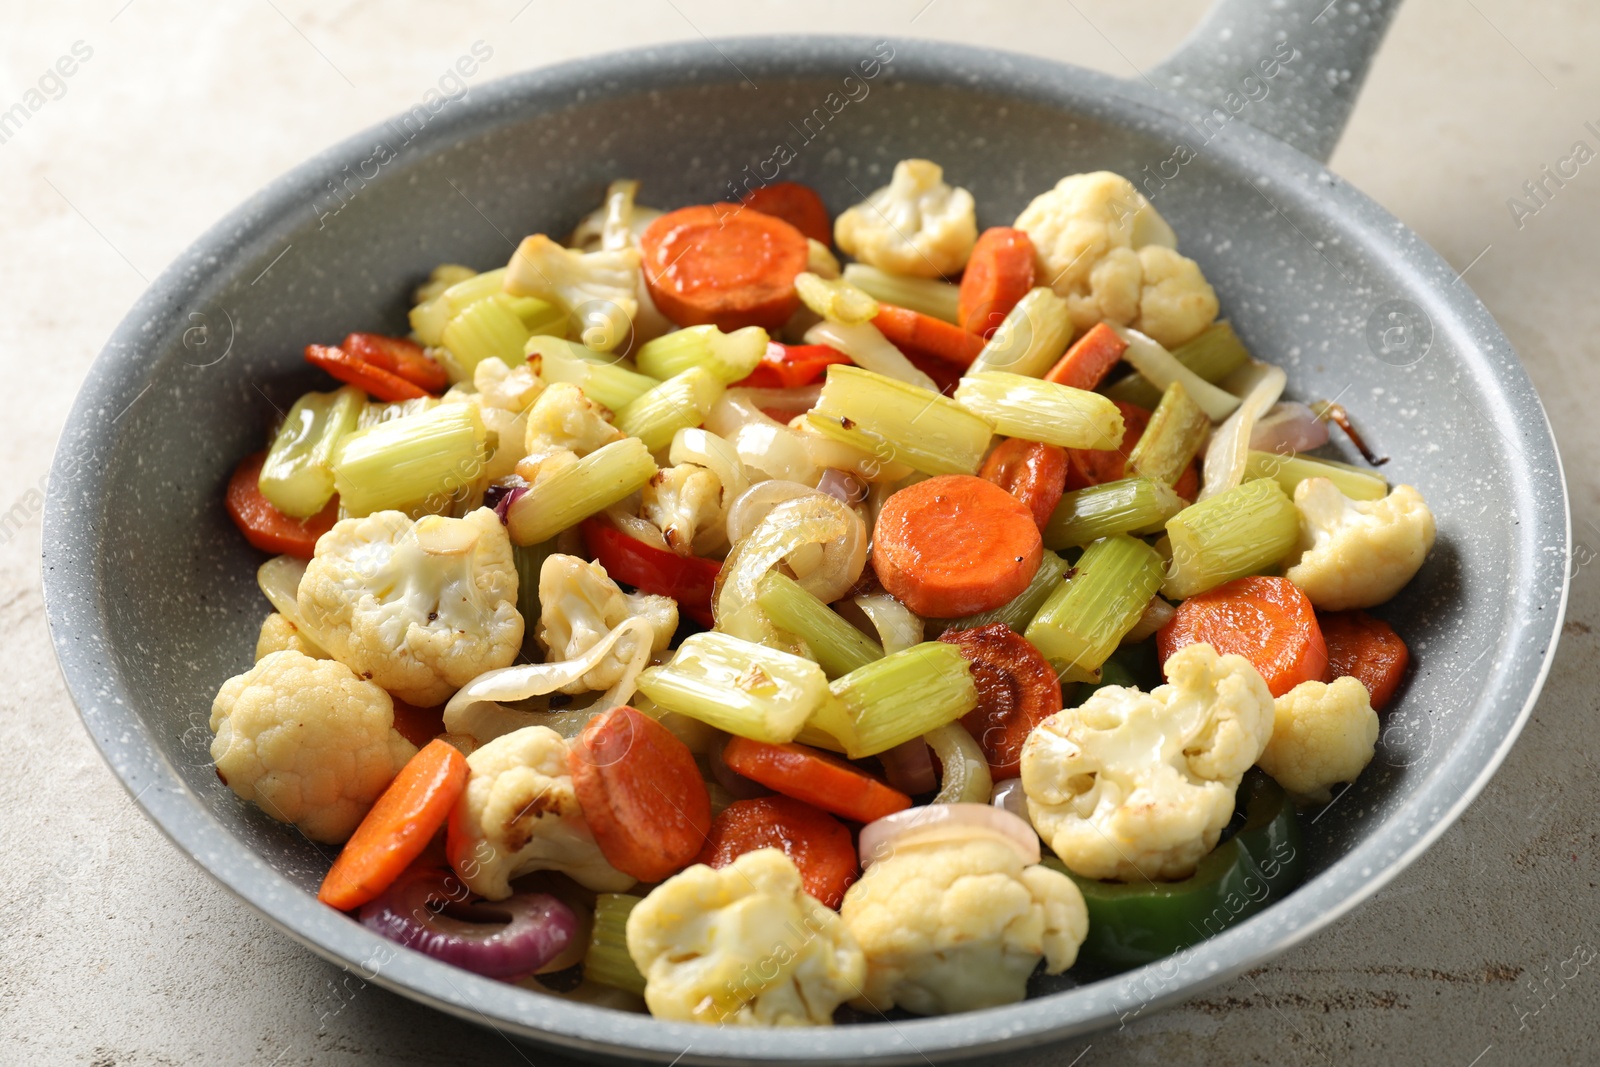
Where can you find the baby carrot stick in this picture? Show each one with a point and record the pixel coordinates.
(1089, 359)
(814, 777)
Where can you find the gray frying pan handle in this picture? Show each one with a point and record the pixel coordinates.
(1225, 63)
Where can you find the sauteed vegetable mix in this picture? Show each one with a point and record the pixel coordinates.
(678, 620)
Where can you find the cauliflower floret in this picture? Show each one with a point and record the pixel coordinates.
(579, 604)
(1133, 785)
(743, 944)
(306, 740)
(1105, 250)
(915, 225)
(958, 926)
(278, 634)
(519, 814)
(682, 501)
(1358, 553)
(564, 420)
(421, 608)
(595, 288)
(617, 223)
(1321, 735)
(503, 396)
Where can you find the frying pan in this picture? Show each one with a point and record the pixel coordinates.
(150, 592)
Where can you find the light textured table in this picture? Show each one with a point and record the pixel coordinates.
(117, 950)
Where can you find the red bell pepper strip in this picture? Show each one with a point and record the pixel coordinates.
(791, 366)
(686, 579)
(398, 356)
(358, 372)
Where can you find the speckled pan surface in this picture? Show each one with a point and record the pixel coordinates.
(151, 594)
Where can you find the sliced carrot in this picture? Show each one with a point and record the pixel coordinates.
(1366, 649)
(1188, 483)
(1096, 466)
(263, 525)
(400, 356)
(640, 792)
(798, 205)
(418, 725)
(1017, 690)
(819, 844)
(817, 778)
(999, 273)
(1266, 620)
(358, 372)
(1033, 472)
(720, 264)
(1089, 359)
(791, 366)
(912, 331)
(955, 545)
(398, 828)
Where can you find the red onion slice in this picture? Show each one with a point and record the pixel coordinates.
(909, 767)
(946, 823)
(1007, 795)
(1288, 427)
(507, 939)
(842, 486)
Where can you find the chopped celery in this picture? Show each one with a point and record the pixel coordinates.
(585, 487)
(423, 460)
(1026, 604)
(1289, 471)
(441, 278)
(1213, 354)
(1035, 410)
(376, 411)
(836, 645)
(739, 686)
(964, 776)
(1227, 536)
(1175, 433)
(835, 300)
(731, 357)
(297, 475)
(607, 960)
(487, 329)
(606, 381)
(1084, 620)
(1030, 339)
(899, 422)
(905, 695)
(681, 402)
(829, 727)
(937, 299)
(538, 316)
(528, 560)
(429, 318)
(1131, 505)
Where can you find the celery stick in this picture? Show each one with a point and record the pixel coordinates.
(1084, 620)
(487, 329)
(538, 317)
(739, 686)
(1213, 354)
(731, 357)
(297, 475)
(828, 727)
(1175, 433)
(941, 300)
(835, 300)
(421, 460)
(608, 382)
(607, 960)
(429, 318)
(681, 402)
(905, 695)
(836, 645)
(377, 411)
(586, 487)
(441, 278)
(1227, 536)
(1357, 483)
(899, 422)
(1026, 604)
(1030, 339)
(1131, 505)
(1035, 410)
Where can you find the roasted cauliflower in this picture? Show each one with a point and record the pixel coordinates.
(959, 925)
(307, 741)
(579, 604)
(1321, 735)
(1132, 785)
(1358, 553)
(421, 608)
(743, 944)
(915, 225)
(682, 502)
(278, 634)
(505, 396)
(519, 814)
(562, 419)
(597, 289)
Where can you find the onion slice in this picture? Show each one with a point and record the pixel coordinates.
(909, 767)
(1157, 613)
(867, 347)
(279, 579)
(1260, 384)
(1288, 427)
(1161, 368)
(753, 505)
(1007, 795)
(938, 824)
(898, 626)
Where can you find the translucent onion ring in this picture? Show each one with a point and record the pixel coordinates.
(1007, 795)
(946, 823)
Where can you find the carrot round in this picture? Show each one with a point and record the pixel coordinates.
(1017, 690)
(1096, 466)
(355, 371)
(817, 778)
(263, 525)
(398, 828)
(791, 366)
(1089, 359)
(640, 792)
(1268, 621)
(1366, 649)
(417, 725)
(798, 205)
(955, 545)
(1033, 472)
(720, 264)
(999, 273)
(819, 844)
(399, 356)
(912, 331)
